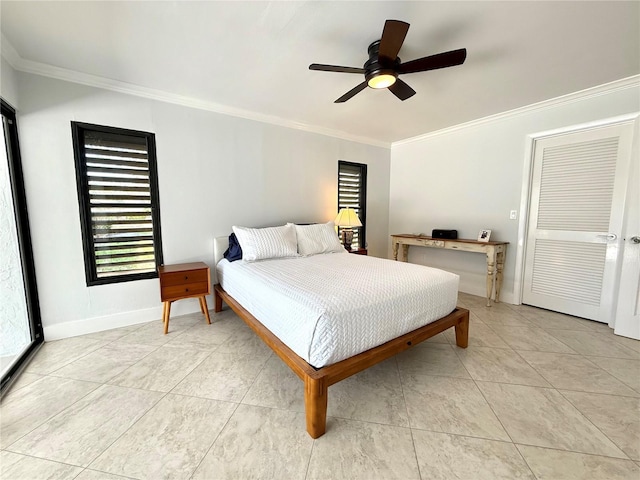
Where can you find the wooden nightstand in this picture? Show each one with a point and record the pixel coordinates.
(185, 280)
(359, 251)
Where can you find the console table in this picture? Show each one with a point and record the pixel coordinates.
(495, 252)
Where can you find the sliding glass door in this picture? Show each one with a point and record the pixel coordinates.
(20, 325)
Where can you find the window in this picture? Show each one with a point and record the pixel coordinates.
(352, 193)
(119, 205)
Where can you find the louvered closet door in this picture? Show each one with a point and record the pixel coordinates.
(575, 221)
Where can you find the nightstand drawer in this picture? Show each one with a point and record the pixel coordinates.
(182, 278)
(184, 290)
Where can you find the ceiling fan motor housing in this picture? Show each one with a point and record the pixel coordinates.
(377, 66)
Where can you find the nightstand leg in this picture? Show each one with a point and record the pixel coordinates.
(167, 313)
(205, 309)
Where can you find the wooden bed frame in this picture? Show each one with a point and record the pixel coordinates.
(318, 380)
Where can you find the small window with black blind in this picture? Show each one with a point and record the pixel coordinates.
(119, 203)
(352, 193)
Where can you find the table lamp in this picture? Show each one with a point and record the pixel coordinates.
(347, 218)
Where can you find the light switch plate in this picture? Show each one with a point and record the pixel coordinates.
(513, 215)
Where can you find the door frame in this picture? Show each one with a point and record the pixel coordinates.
(16, 178)
(527, 178)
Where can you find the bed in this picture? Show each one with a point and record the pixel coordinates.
(331, 316)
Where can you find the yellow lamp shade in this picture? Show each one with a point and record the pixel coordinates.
(347, 217)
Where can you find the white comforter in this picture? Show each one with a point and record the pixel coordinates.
(330, 307)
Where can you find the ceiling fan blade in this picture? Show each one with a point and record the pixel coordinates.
(351, 93)
(401, 90)
(433, 62)
(392, 38)
(335, 68)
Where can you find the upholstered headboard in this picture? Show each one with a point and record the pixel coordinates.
(220, 245)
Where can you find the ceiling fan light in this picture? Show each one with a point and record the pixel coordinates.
(383, 80)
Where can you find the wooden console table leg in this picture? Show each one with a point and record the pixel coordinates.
(394, 246)
(167, 313)
(315, 405)
(205, 308)
(405, 253)
(491, 262)
(500, 267)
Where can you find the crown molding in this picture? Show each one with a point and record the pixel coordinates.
(622, 84)
(28, 66)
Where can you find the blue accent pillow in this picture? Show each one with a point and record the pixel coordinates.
(234, 252)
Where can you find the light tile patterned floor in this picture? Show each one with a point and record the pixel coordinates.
(537, 395)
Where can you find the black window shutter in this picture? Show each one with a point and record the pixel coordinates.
(352, 193)
(119, 204)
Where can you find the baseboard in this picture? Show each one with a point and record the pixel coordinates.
(74, 328)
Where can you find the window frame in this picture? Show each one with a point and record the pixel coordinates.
(362, 214)
(27, 260)
(82, 183)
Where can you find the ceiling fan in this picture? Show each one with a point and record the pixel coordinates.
(384, 66)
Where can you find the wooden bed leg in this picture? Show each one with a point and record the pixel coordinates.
(462, 332)
(218, 301)
(315, 405)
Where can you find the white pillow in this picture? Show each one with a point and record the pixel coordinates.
(263, 243)
(318, 238)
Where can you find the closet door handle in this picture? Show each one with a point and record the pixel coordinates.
(635, 239)
(608, 236)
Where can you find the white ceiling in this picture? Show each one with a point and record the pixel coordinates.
(254, 56)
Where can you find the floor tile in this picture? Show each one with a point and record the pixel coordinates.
(617, 417)
(81, 432)
(631, 343)
(451, 405)
(246, 342)
(543, 417)
(222, 376)
(278, 387)
(525, 338)
(356, 450)
(499, 365)
(553, 320)
(435, 359)
(588, 343)
(114, 333)
(24, 379)
(574, 372)
(46, 398)
(492, 317)
(57, 354)
(442, 457)
(104, 363)
(278, 443)
(480, 335)
(558, 465)
(15, 467)
(203, 336)
(373, 395)
(625, 370)
(161, 370)
(169, 441)
(152, 333)
(88, 474)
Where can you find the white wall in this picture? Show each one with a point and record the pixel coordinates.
(470, 178)
(8, 83)
(214, 171)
